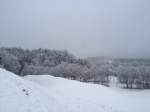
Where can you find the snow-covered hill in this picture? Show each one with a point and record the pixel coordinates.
(50, 94)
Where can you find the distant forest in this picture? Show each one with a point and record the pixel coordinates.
(130, 73)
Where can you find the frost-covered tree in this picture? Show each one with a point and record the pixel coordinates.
(9, 61)
(39, 58)
(97, 75)
(71, 71)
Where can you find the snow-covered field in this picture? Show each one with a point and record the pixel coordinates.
(50, 94)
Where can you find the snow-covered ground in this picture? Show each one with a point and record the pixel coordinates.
(44, 93)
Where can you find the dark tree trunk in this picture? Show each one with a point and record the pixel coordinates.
(22, 64)
(0, 60)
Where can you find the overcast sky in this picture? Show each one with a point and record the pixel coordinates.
(118, 28)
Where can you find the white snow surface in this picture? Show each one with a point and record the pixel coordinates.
(45, 93)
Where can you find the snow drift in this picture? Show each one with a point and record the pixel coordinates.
(50, 94)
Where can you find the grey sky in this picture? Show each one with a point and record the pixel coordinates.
(119, 28)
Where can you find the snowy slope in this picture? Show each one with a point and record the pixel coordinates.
(120, 100)
(50, 94)
(20, 95)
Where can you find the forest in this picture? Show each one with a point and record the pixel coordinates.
(130, 73)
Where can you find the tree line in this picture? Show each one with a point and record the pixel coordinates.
(129, 73)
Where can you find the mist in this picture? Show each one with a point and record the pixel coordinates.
(114, 28)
